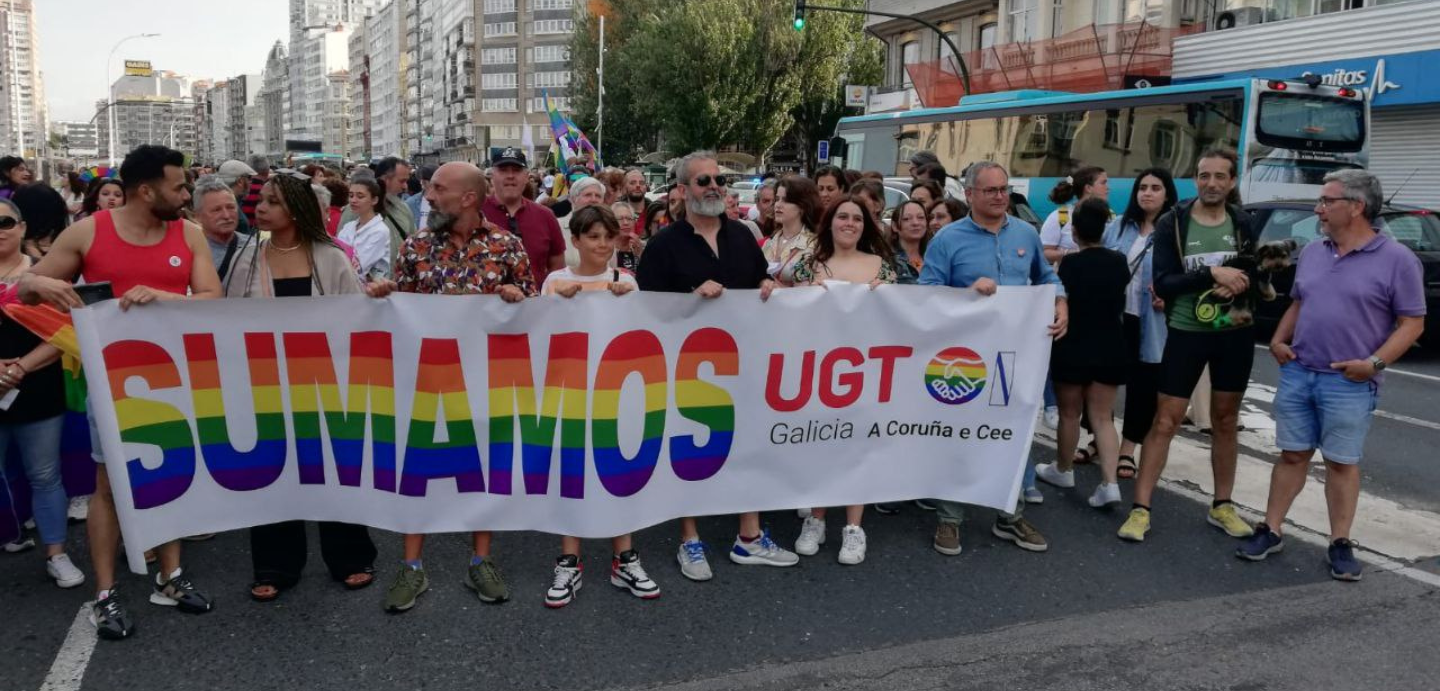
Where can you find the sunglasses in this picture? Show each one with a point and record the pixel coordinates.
(705, 180)
(8, 222)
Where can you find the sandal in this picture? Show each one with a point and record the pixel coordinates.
(258, 596)
(1127, 468)
(360, 579)
(1086, 454)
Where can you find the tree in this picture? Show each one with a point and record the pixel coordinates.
(701, 74)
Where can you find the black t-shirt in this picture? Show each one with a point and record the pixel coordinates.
(42, 392)
(1095, 280)
(678, 260)
(298, 287)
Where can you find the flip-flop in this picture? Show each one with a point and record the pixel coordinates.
(271, 597)
(366, 582)
(1127, 468)
(1086, 454)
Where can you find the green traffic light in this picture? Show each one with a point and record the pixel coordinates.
(799, 23)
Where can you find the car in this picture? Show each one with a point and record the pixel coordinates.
(1416, 228)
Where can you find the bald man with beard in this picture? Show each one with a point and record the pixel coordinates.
(457, 253)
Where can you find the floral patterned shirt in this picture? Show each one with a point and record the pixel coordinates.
(429, 263)
(807, 271)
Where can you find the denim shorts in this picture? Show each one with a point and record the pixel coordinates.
(1325, 411)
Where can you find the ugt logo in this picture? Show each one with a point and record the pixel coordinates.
(958, 375)
(955, 376)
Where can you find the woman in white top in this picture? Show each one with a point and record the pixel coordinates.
(585, 192)
(593, 230)
(368, 234)
(1055, 233)
(797, 210)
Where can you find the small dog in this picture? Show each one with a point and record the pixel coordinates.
(1269, 258)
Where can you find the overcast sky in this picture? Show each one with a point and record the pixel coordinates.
(213, 39)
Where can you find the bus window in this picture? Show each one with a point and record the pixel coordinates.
(1292, 171)
(1306, 122)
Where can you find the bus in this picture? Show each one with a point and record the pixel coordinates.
(1288, 135)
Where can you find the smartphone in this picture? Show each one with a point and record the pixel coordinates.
(91, 293)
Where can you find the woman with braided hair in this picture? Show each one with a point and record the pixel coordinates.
(299, 259)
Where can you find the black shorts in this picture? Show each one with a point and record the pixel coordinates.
(1064, 373)
(1229, 354)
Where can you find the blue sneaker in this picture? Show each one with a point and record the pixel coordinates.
(1032, 495)
(762, 552)
(1343, 564)
(1263, 543)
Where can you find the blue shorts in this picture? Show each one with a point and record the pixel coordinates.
(1320, 410)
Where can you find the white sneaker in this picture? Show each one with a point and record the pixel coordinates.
(1052, 417)
(79, 508)
(802, 513)
(63, 571)
(762, 552)
(693, 564)
(1049, 473)
(19, 545)
(852, 545)
(812, 535)
(1105, 495)
(29, 524)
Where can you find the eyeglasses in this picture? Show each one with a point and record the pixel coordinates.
(1327, 201)
(8, 222)
(705, 180)
(991, 191)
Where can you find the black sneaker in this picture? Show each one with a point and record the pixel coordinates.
(1343, 564)
(1263, 543)
(180, 593)
(111, 621)
(886, 509)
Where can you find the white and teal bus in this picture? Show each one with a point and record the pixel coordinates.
(1288, 134)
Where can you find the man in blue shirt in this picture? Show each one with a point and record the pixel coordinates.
(987, 249)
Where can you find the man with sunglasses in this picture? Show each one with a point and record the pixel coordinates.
(1359, 304)
(537, 226)
(706, 253)
(986, 249)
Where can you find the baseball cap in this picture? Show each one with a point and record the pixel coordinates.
(234, 169)
(510, 156)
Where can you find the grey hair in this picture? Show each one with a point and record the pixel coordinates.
(205, 185)
(682, 169)
(322, 194)
(259, 163)
(1360, 186)
(624, 205)
(980, 166)
(586, 183)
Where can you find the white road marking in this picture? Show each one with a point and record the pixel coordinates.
(1388, 370)
(68, 670)
(1255, 419)
(1407, 419)
(1388, 530)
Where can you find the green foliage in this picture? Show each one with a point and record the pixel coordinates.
(693, 74)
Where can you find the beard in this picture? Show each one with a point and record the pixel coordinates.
(166, 213)
(636, 198)
(440, 222)
(705, 205)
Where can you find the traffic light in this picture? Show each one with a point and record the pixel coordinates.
(799, 15)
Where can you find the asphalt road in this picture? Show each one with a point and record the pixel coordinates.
(1177, 612)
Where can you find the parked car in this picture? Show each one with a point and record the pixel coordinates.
(1414, 227)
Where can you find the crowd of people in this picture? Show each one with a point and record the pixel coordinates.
(1158, 282)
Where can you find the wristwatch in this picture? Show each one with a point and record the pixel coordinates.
(1377, 363)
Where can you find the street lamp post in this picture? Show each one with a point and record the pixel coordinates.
(111, 88)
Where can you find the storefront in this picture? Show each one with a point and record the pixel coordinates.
(1389, 52)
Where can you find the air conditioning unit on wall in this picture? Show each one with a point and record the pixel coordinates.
(1240, 16)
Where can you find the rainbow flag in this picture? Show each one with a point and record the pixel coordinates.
(77, 469)
(571, 141)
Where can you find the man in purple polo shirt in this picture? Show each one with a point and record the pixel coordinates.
(508, 208)
(1359, 304)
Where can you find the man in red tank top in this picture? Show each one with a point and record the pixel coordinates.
(147, 253)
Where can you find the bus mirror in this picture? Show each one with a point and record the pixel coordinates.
(837, 147)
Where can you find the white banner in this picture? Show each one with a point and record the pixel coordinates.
(593, 416)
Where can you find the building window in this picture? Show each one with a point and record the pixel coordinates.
(554, 26)
(909, 55)
(1057, 18)
(500, 29)
(498, 105)
(1024, 20)
(552, 4)
(497, 56)
(1150, 11)
(987, 36)
(947, 55)
(547, 80)
(500, 80)
(498, 6)
(547, 54)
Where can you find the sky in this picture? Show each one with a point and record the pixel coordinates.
(201, 39)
